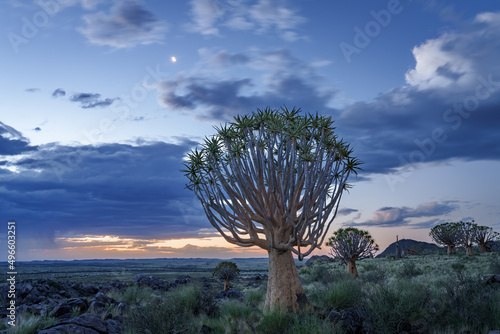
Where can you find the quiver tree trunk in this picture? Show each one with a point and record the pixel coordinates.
(351, 267)
(226, 284)
(483, 248)
(283, 286)
(469, 251)
(451, 249)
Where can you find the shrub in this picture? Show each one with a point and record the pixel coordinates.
(467, 304)
(409, 269)
(275, 322)
(28, 323)
(494, 265)
(399, 306)
(310, 323)
(340, 294)
(176, 313)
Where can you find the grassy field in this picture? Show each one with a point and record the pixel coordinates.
(437, 294)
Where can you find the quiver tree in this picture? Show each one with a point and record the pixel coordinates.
(447, 234)
(467, 231)
(483, 236)
(350, 244)
(273, 179)
(226, 271)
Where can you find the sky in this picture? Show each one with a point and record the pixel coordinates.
(103, 99)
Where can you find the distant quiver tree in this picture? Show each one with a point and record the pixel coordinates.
(485, 235)
(447, 234)
(273, 179)
(226, 271)
(467, 231)
(351, 245)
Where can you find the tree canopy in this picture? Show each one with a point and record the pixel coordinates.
(273, 179)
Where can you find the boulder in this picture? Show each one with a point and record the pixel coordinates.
(150, 281)
(491, 279)
(87, 323)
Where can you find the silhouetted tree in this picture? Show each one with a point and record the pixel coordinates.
(467, 231)
(447, 234)
(350, 245)
(484, 235)
(273, 179)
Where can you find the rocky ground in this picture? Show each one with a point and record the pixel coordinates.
(83, 308)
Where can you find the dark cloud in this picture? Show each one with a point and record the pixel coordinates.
(127, 25)
(59, 92)
(37, 129)
(346, 211)
(402, 216)
(12, 142)
(88, 100)
(287, 81)
(113, 189)
(32, 90)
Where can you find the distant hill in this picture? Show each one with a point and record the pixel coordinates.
(420, 247)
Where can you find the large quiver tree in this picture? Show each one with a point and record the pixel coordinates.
(447, 234)
(273, 179)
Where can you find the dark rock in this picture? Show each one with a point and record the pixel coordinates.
(491, 279)
(150, 281)
(60, 310)
(123, 308)
(183, 280)
(206, 330)
(231, 294)
(87, 323)
(351, 319)
(114, 326)
(101, 297)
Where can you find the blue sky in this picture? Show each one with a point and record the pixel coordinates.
(97, 116)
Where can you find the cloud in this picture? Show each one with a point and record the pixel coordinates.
(89, 100)
(346, 211)
(59, 92)
(133, 191)
(402, 216)
(32, 90)
(127, 25)
(218, 95)
(265, 16)
(447, 110)
(12, 142)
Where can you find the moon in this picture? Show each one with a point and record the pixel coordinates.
(173, 59)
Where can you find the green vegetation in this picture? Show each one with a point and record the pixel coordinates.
(226, 271)
(350, 245)
(418, 294)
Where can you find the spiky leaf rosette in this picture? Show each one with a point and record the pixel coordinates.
(273, 179)
(351, 243)
(448, 234)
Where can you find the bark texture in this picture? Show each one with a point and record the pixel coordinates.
(283, 286)
(451, 249)
(351, 267)
(226, 284)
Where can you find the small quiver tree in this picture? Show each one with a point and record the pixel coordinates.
(350, 245)
(447, 234)
(467, 231)
(273, 179)
(226, 271)
(483, 236)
